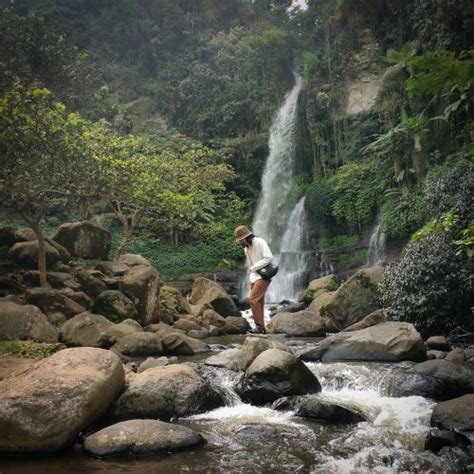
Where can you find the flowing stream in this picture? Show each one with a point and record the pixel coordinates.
(243, 438)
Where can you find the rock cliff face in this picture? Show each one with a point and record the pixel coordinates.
(367, 73)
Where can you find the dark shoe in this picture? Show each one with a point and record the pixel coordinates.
(257, 330)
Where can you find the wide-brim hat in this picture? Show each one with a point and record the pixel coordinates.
(241, 232)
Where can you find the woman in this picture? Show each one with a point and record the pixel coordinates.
(258, 255)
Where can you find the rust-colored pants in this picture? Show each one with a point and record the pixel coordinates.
(256, 300)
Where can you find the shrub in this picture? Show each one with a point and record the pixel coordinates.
(430, 286)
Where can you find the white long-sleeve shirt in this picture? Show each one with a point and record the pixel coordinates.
(258, 256)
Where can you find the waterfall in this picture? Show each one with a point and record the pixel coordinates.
(277, 179)
(376, 254)
(291, 258)
(282, 227)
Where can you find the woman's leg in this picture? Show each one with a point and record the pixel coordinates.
(256, 300)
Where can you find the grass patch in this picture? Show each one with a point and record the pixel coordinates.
(30, 349)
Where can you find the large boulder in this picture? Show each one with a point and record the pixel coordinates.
(186, 325)
(84, 240)
(354, 299)
(53, 301)
(458, 377)
(90, 330)
(141, 285)
(25, 254)
(115, 306)
(44, 409)
(255, 345)
(391, 342)
(406, 384)
(208, 291)
(274, 374)
(303, 323)
(140, 437)
(167, 392)
(212, 318)
(457, 414)
(18, 321)
(139, 344)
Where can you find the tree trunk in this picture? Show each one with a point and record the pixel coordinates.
(41, 254)
(127, 238)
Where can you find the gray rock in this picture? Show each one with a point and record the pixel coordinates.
(255, 345)
(456, 355)
(25, 234)
(89, 330)
(319, 409)
(80, 298)
(53, 301)
(84, 240)
(140, 437)
(176, 343)
(140, 284)
(115, 306)
(320, 300)
(44, 409)
(131, 260)
(354, 299)
(235, 325)
(324, 283)
(201, 334)
(459, 378)
(112, 269)
(25, 254)
(151, 362)
(167, 392)
(55, 279)
(371, 319)
(435, 354)
(391, 341)
(405, 384)
(457, 414)
(229, 359)
(274, 374)
(18, 321)
(185, 324)
(139, 344)
(303, 323)
(208, 291)
(438, 439)
(92, 282)
(438, 343)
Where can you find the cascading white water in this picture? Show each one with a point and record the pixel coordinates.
(376, 255)
(282, 227)
(277, 179)
(291, 258)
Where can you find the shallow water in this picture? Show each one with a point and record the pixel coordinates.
(242, 438)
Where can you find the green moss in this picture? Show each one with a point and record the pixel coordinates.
(30, 349)
(354, 258)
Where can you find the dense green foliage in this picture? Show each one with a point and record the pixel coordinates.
(192, 85)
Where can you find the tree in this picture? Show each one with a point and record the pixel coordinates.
(44, 154)
(174, 186)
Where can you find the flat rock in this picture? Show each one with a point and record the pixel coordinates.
(302, 323)
(151, 362)
(140, 437)
(139, 344)
(229, 359)
(390, 342)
